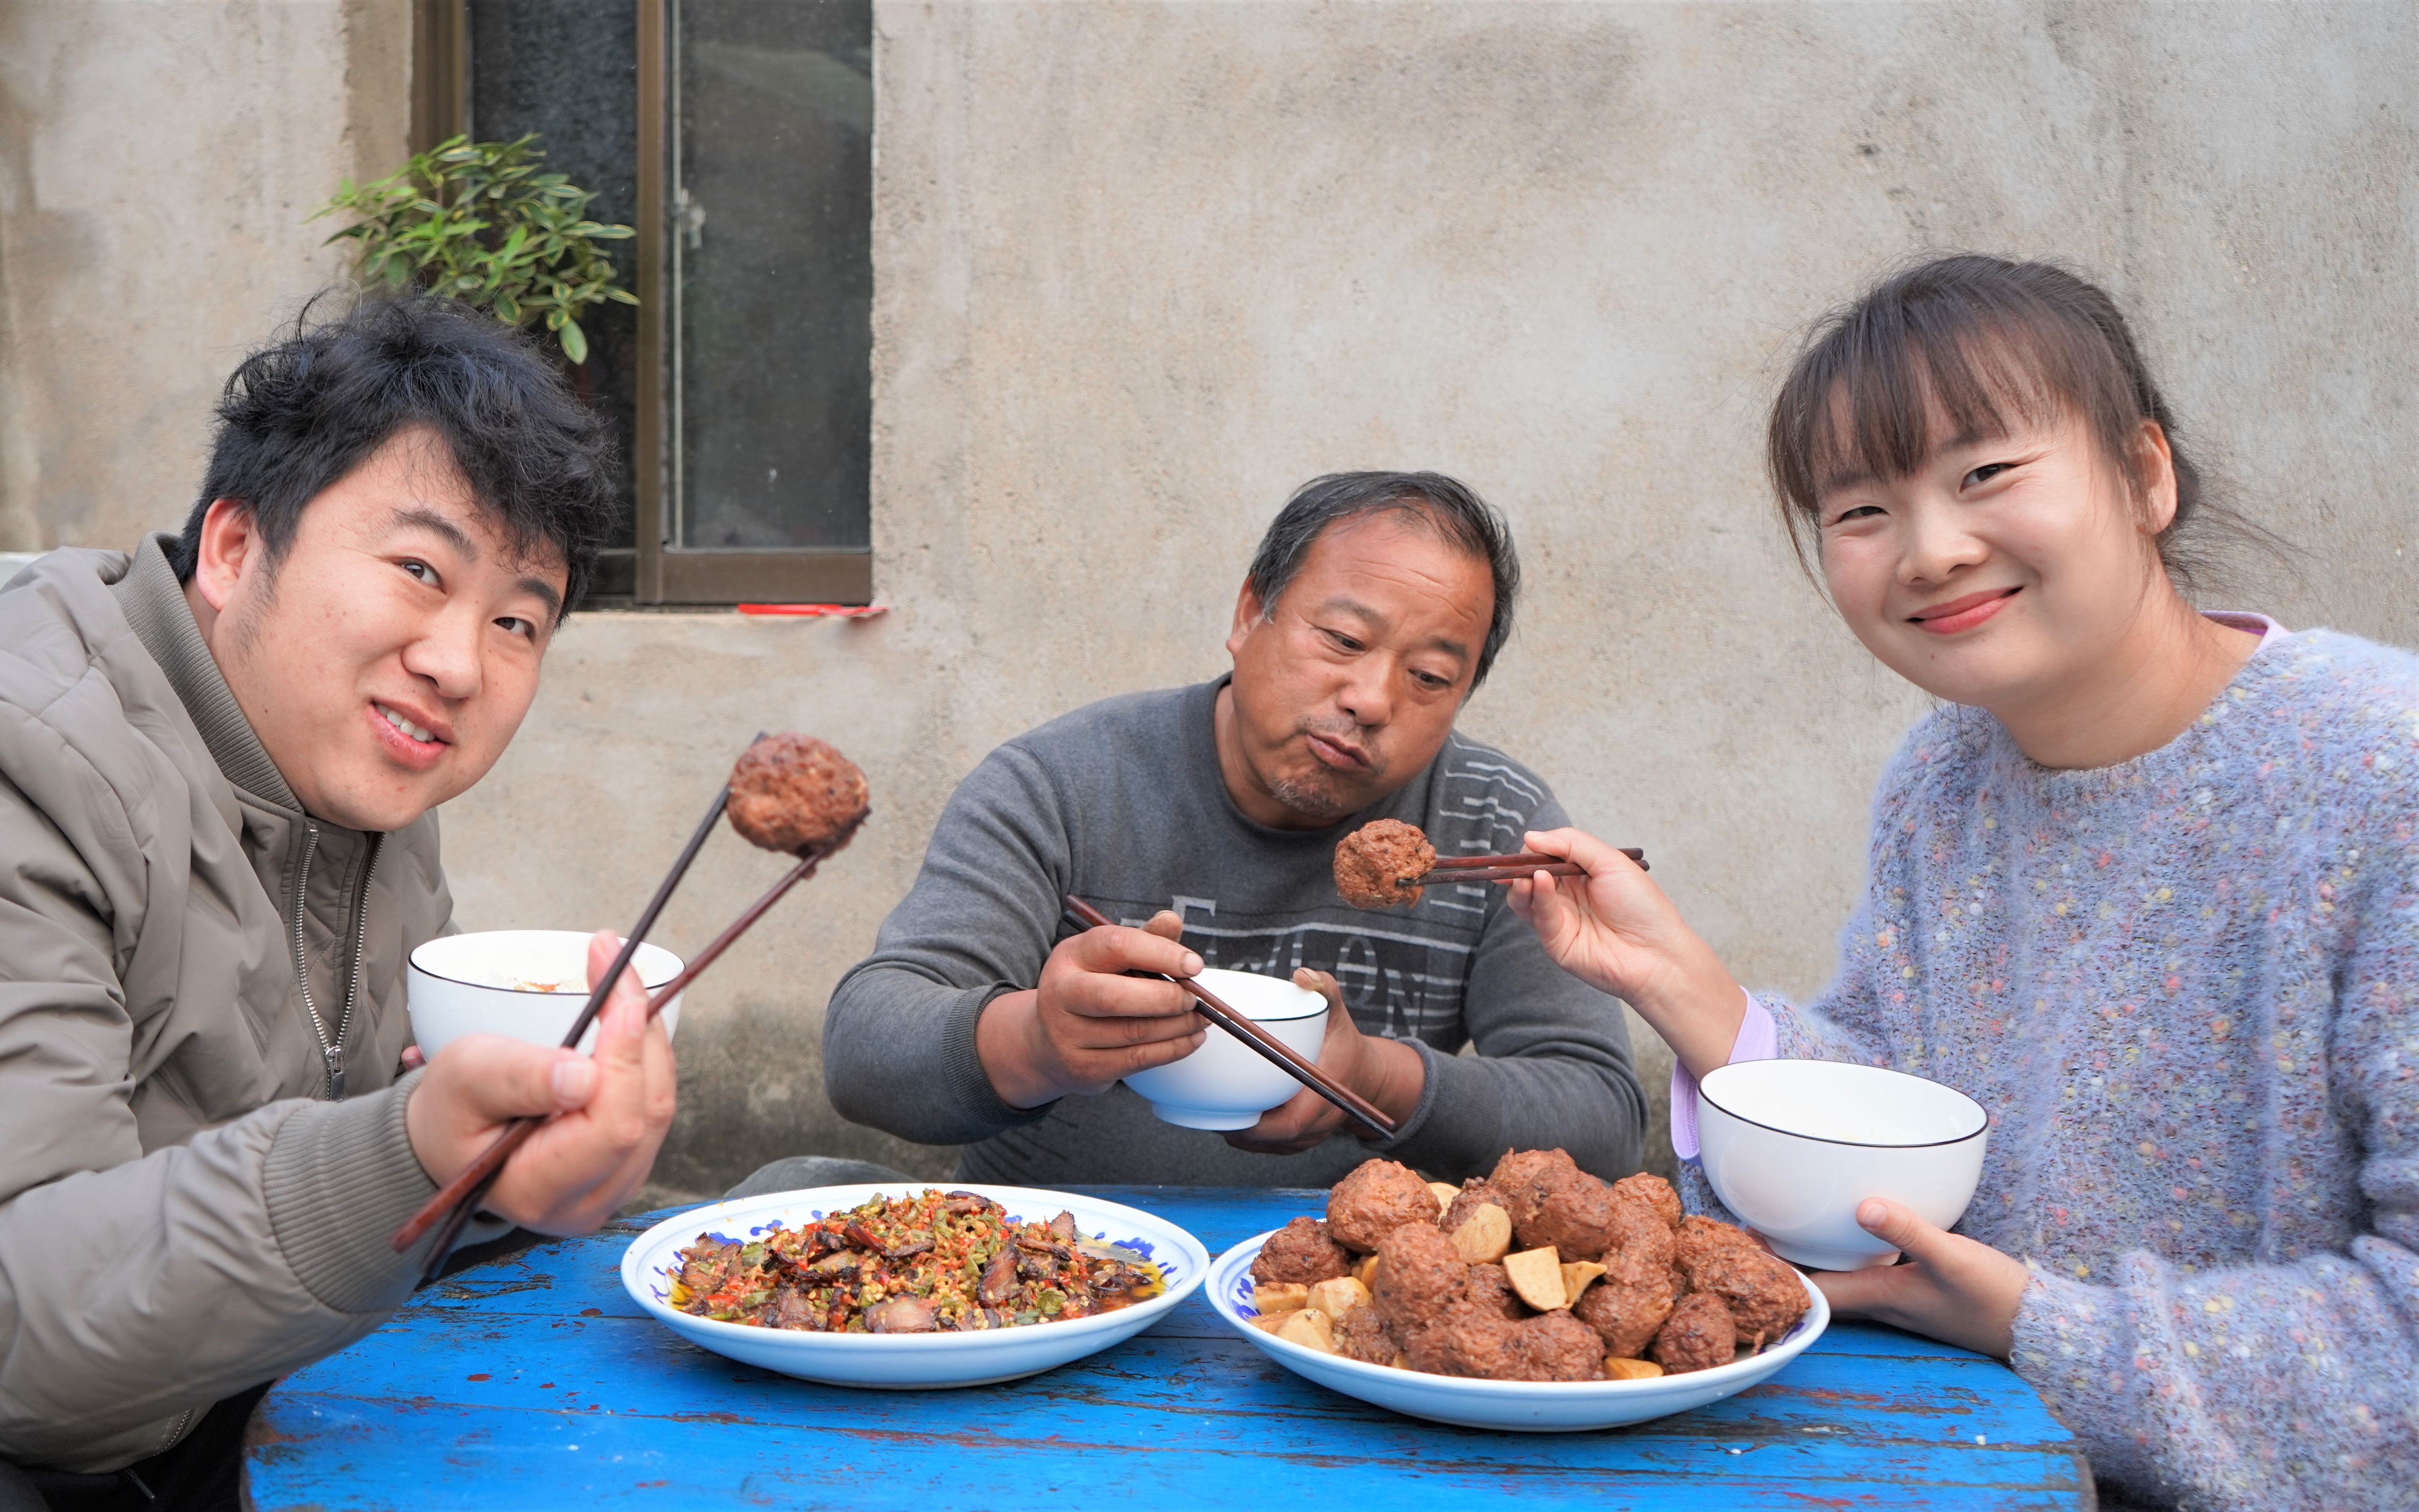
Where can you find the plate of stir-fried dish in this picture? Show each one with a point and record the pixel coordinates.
(912, 1286)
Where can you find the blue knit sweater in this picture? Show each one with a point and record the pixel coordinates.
(2186, 987)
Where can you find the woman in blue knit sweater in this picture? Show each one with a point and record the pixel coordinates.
(2147, 886)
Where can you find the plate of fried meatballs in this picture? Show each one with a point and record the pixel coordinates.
(1537, 1298)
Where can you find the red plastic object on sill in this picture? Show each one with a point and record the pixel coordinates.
(832, 611)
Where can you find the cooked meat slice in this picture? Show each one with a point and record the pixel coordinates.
(1301, 1251)
(1379, 865)
(711, 1262)
(790, 1308)
(1064, 1227)
(1557, 1347)
(999, 1283)
(1655, 1191)
(1698, 1335)
(1377, 1198)
(902, 1315)
(795, 794)
(1420, 1277)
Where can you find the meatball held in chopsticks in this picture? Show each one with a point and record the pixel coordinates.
(1379, 865)
(796, 794)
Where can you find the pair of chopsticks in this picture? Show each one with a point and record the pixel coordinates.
(1510, 868)
(1276, 1051)
(458, 1199)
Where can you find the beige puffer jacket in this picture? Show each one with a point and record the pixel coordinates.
(201, 1149)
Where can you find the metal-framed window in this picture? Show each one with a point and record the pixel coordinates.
(736, 138)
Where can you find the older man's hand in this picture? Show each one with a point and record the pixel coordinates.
(1087, 1023)
(614, 1106)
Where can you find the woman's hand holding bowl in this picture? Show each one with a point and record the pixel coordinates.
(1616, 931)
(1949, 1287)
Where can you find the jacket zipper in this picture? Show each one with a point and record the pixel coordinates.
(332, 1051)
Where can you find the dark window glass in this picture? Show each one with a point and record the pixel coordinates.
(568, 69)
(772, 273)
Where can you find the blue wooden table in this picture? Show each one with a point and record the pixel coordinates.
(534, 1381)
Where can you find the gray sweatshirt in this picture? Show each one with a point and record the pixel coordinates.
(1122, 804)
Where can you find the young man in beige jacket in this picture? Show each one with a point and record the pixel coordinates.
(220, 761)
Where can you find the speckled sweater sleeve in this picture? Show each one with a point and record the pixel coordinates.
(2286, 1384)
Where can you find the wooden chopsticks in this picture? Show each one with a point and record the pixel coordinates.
(460, 1197)
(1511, 868)
(1270, 1048)
(458, 1194)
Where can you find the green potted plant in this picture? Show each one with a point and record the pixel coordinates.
(480, 221)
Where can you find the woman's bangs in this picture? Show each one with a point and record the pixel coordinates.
(1904, 387)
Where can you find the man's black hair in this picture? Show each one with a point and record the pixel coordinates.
(301, 413)
(1446, 505)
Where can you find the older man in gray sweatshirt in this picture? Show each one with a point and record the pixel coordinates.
(220, 759)
(1206, 819)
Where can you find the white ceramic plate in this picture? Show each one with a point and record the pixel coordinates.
(1520, 1406)
(911, 1361)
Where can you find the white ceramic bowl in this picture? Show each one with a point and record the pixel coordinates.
(461, 984)
(1792, 1146)
(1520, 1406)
(907, 1361)
(1227, 1084)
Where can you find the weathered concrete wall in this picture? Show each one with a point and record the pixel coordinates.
(1143, 268)
(155, 163)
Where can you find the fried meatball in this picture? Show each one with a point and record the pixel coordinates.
(1301, 1251)
(794, 794)
(1420, 1277)
(1362, 1335)
(1698, 1235)
(1377, 1198)
(1762, 1293)
(1525, 1175)
(1467, 1343)
(1624, 1313)
(1489, 1291)
(1579, 1218)
(1654, 1192)
(1379, 864)
(1557, 1347)
(1698, 1335)
(1474, 1194)
(1641, 1247)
